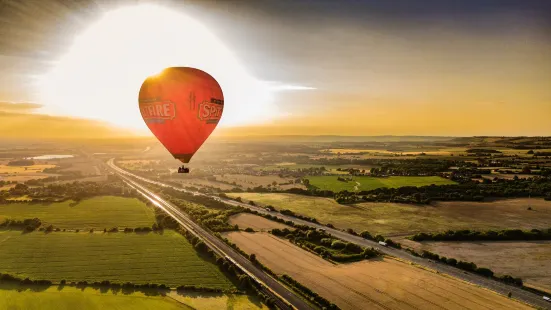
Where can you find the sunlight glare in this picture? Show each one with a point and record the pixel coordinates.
(100, 76)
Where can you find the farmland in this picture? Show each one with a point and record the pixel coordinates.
(528, 260)
(403, 219)
(218, 301)
(69, 298)
(73, 298)
(118, 257)
(23, 169)
(252, 181)
(98, 212)
(24, 173)
(365, 183)
(258, 223)
(373, 284)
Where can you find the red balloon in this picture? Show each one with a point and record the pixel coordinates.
(181, 106)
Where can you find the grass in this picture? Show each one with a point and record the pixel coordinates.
(73, 298)
(524, 259)
(139, 258)
(98, 212)
(365, 183)
(69, 298)
(219, 301)
(401, 219)
(294, 166)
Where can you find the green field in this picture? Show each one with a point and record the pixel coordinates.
(139, 258)
(365, 183)
(402, 219)
(98, 212)
(70, 298)
(294, 166)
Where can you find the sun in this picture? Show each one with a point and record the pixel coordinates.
(100, 76)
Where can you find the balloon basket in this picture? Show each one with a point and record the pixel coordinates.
(183, 170)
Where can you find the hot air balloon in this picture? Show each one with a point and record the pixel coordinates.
(181, 106)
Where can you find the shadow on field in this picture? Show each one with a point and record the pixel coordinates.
(255, 300)
(116, 289)
(23, 287)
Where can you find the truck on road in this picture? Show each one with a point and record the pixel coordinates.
(382, 243)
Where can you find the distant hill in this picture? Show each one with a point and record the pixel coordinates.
(333, 138)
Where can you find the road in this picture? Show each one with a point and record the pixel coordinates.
(517, 293)
(273, 288)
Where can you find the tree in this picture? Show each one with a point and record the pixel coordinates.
(337, 244)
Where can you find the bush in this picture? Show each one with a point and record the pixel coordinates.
(338, 245)
(451, 261)
(485, 272)
(353, 248)
(466, 266)
(366, 235)
(248, 229)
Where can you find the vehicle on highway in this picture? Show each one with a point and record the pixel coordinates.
(547, 298)
(382, 243)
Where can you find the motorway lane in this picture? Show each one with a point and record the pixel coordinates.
(278, 291)
(517, 293)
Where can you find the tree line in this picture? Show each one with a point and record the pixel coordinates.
(472, 191)
(490, 235)
(468, 266)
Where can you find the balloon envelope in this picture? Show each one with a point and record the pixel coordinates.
(181, 106)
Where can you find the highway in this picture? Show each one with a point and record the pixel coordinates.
(517, 293)
(271, 287)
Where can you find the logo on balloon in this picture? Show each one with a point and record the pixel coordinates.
(158, 110)
(210, 112)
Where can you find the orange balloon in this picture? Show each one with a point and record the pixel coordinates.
(181, 106)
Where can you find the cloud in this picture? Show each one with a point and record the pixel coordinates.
(21, 107)
(278, 86)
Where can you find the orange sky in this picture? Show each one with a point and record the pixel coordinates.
(479, 71)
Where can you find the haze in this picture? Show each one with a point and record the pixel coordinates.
(479, 68)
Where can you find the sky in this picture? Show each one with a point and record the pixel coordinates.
(344, 67)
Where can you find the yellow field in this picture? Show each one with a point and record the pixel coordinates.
(23, 169)
(374, 284)
(258, 223)
(70, 298)
(445, 151)
(251, 181)
(391, 219)
(528, 260)
(217, 301)
(24, 173)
